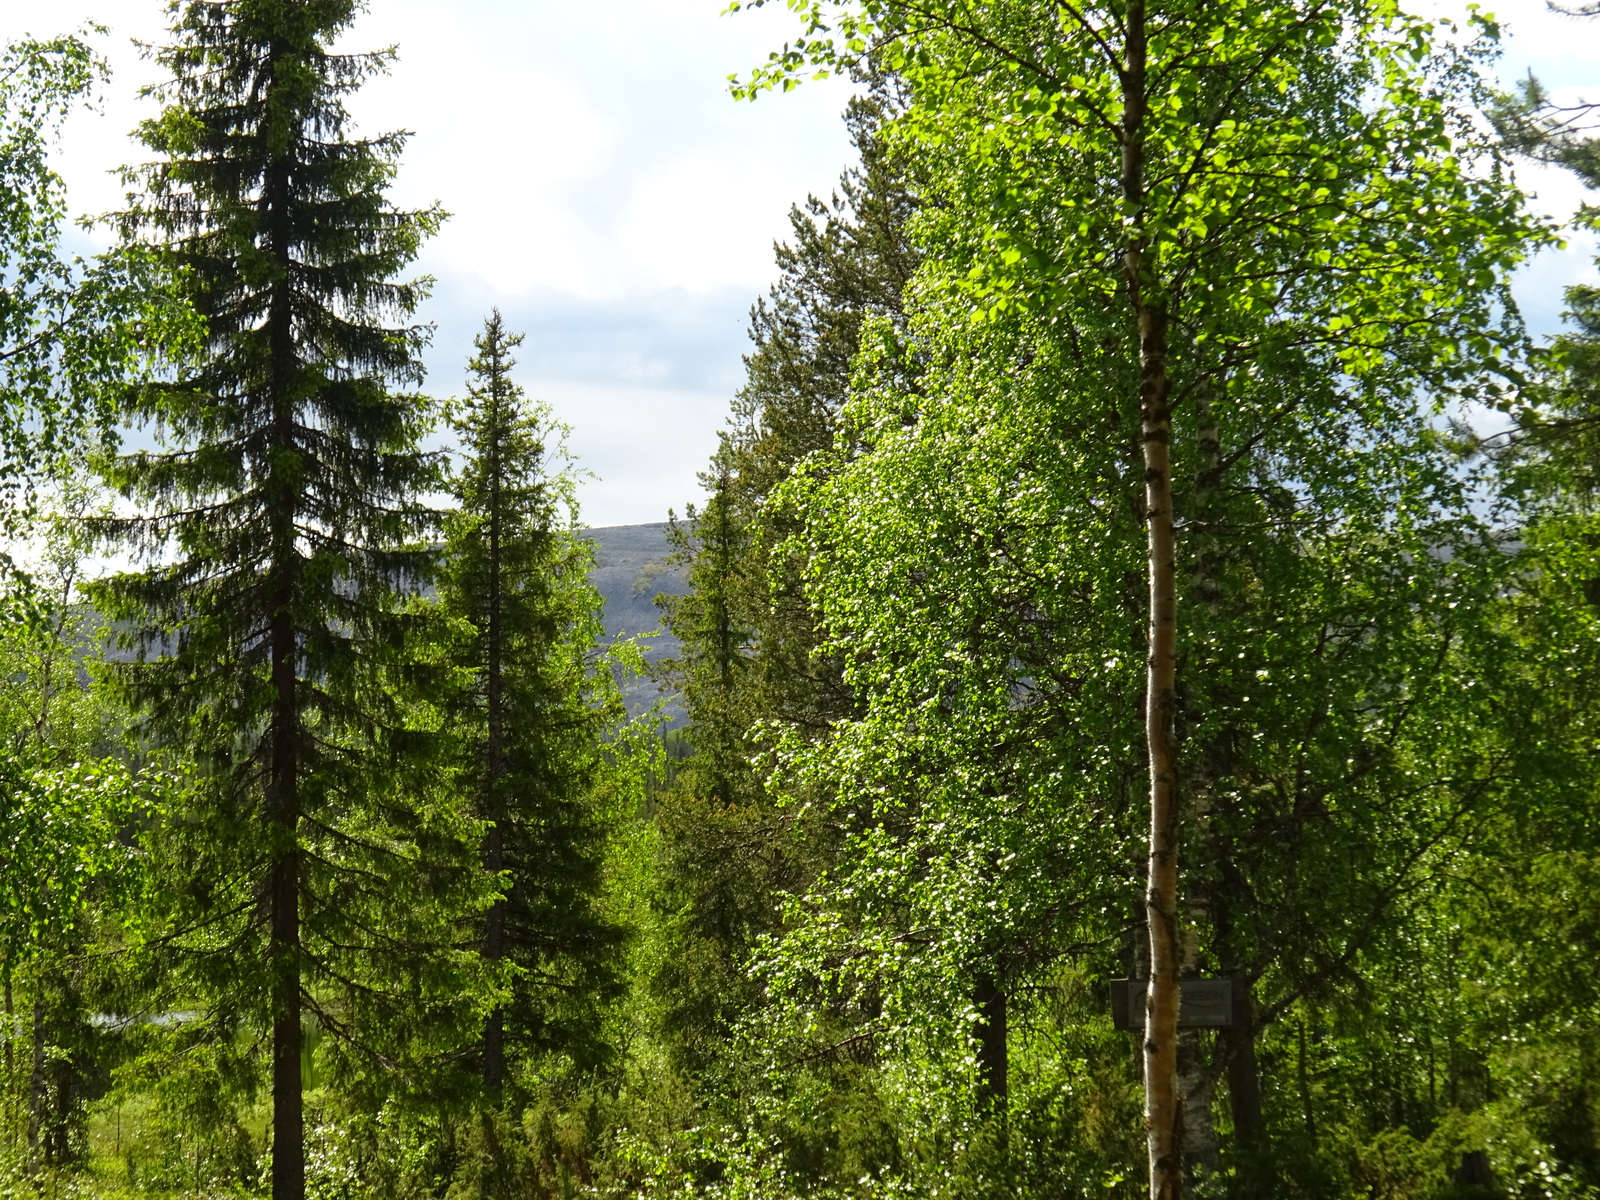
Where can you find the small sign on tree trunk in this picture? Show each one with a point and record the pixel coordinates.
(1203, 1004)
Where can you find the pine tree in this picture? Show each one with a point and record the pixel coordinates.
(1559, 431)
(280, 517)
(515, 579)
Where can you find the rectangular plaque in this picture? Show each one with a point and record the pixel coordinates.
(1203, 1003)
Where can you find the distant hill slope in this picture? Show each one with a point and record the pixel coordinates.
(630, 567)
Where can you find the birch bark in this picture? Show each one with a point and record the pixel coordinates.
(1162, 1109)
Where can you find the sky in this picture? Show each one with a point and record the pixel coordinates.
(619, 207)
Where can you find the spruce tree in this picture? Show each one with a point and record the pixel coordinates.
(278, 513)
(750, 646)
(515, 579)
(1557, 428)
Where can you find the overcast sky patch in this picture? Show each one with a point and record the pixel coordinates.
(620, 208)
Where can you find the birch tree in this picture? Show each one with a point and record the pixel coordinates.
(1212, 190)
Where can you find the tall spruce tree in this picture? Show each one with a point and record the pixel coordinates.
(277, 511)
(1557, 427)
(514, 577)
(747, 633)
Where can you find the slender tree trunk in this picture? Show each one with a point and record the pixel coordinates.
(1198, 1070)
(494, 1027)
(1197, 1087)
(288, 1114)
(288, 1080)
(1162, 1110)
(724, 630)
(1239, 1042)
(36, 1081)
(494, 1060)
(48, 663)
(1244, 1077)
(11, 1059)
(993, 1038)
(1304, 1078)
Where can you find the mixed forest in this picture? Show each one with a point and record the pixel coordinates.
(1148, 554)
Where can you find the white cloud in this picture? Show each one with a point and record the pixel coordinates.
(1564, 51)
(602, 183)
(595, 150)
(706, 221)
(617, 433)
(619, 205)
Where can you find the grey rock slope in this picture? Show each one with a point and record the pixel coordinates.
(631, 568)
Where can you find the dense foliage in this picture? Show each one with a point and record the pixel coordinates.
(73, 332)
(527, 725)
(1146, 548)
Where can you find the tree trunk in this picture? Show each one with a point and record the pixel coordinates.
(1198, 1070)
(36, 1080)
(1244, 1078)
(1197, 1085)
(1304, 1079)
(1161, 1109)
(11, 1060)
(993, 1037)
(724, 630)
(288, 1079)
(1161, 897)
(1239, 1043)
(288, 1083)
(494, 1056)
(494, 1052)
